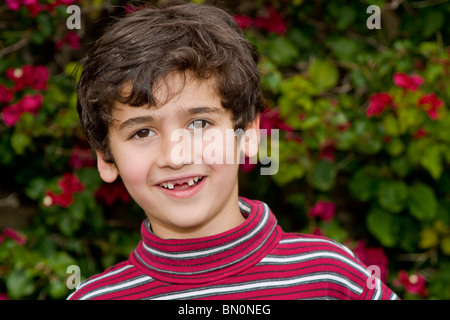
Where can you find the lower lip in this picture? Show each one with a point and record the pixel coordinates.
(182, 194)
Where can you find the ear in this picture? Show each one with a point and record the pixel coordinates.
(108, 171)
(250, 141)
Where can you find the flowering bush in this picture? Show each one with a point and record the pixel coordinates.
(364, 149)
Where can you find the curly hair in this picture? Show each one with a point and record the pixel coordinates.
(142, 49)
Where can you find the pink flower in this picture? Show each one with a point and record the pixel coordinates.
(12, 234)
(65, 2)
(272, 22)
(6, 95)
(243, 21)
(420, 133)
(3, 296)
(323, 209)
(373, 256)
(72, 39)
(12, 113)
(112, 193)
(13, 4)
(378, 103)
(34, 76)
(414, 283)
(327, 150)
(32, 5)
(82, 157)
(270, 119)
(69, 185)
(431, 104)
(246, 166)
(408, 82)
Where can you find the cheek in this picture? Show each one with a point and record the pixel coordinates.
(133, 169)
(220, 148)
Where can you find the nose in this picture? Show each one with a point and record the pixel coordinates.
(176, 149)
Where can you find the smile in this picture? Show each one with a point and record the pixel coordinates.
(181, 184)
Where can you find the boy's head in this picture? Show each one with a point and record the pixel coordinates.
(141, 51)
(157, 71)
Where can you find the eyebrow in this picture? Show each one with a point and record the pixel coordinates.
(199, 110)
(181, 114)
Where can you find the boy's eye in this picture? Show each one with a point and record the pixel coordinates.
(143, 133)
(198, 124)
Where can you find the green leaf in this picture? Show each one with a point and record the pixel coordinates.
(391, 125)
(431, 160)
(19, 284)
(364, 183)
(445, 245)
(434, 20)
(36, 188)
(323, 176)
(323, 74)
(392, 195)
(281, 51)
(382, 225)
(20, 142)
(395, 147)
(422, 203)
(428, 238)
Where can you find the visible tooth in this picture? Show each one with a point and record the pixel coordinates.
(195, 179)
(191, 183)
(169, 185)
(164, 185)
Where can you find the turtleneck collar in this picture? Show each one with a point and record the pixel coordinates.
(202, 260)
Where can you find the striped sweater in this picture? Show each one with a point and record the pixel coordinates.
(255, 260)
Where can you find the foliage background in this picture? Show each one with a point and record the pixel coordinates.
(364, 151)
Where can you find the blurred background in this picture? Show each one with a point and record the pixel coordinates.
(358, 89)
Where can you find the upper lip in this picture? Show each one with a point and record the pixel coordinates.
(180, 179)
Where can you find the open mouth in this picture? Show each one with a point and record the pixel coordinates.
(182, 184)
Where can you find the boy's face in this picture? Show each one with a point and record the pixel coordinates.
(197, 197)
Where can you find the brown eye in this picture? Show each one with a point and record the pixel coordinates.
(143, 133)
(198, 124)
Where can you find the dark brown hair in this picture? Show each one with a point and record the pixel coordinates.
(142, 49)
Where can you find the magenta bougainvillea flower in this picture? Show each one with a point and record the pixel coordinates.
(243, 21)
(33, 76)
(373, 256)
(378, 103)
(271, 21)
(12, 234)
(69, 185)
(6, 95)
(408, 82)
(325, 210)
(34, 7)
(112, 193)
(431, 103)
(327, 150)
(11, 114)
(414, 283)
(70, 38)
(420, 133)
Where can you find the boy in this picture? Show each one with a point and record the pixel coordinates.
(189, 67)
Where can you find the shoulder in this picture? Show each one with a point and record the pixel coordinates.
(117, 277)
(320, 259)
(310, 247)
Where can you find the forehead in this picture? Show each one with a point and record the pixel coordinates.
(176, 95)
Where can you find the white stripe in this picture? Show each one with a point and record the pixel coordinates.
(89, 281)
(377, 295)
(197, 254)
(299, 240)
(115, 287)
(315, 255)
(264, 285)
